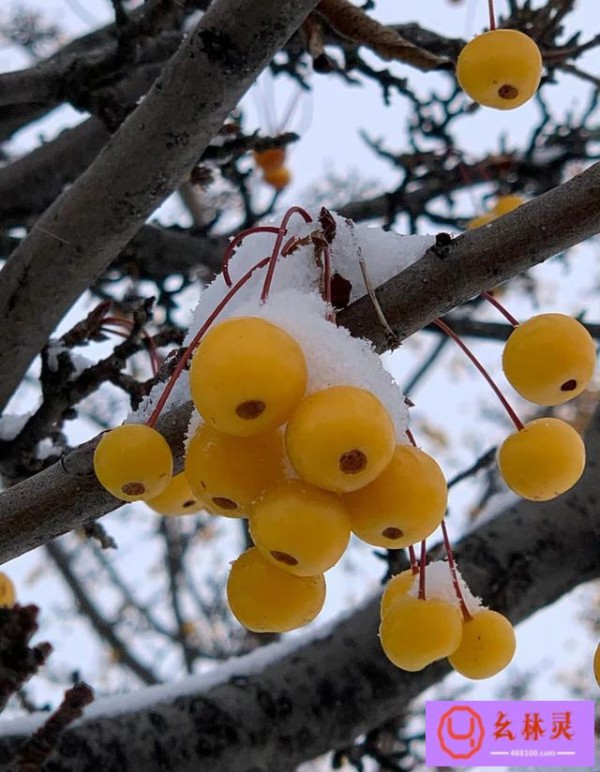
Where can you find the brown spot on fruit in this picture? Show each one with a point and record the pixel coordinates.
(250, 409)
(283, 557)
(508, 92)
(224, 503)
(133, 489)
(353, 461)
(570, 385)
(392, 533)
(189, 503)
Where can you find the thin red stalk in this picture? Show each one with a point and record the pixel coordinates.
(236, 241)
(198, 336)
(505, 404)
(411, 438)
(492, 14)
(414, 564)
(497, 304)
(128, 325)
(422, 595)
(278, 241)
(452, 565)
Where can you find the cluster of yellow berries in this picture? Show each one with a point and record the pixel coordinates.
(272, 164)
(503, 205)
(548, 360)
(415, 632)
(306, 469)
(501, 68)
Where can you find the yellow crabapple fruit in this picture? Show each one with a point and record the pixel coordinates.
(267, 600)
(228, 473)
(414, 633)
(487, 647)
(272, 158)
(300, 528)
(549, 359)
(133, 462)
(597, 664)
(7, 591)
(506, 204)
(246, 376)
(278, 178)
(501, 68)
(397, 587)
(542, 460)
(402, 506)
(340, 438)
(177, 498)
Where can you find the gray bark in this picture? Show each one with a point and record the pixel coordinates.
(330, 690)
(147, 159)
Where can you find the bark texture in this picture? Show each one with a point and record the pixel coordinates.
(147, 159)
(328, 691)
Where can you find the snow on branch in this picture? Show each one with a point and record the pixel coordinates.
(294, 700)
(67, 494)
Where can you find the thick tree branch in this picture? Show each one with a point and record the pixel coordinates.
(522, 560)
(148, 158)
(480, 259)
(68, 494)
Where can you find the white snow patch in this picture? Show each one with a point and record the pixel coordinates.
(438, 584)
(333, 356)
(53, 350)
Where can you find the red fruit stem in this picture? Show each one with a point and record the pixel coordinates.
(412, 556)
(236, 241)
(505, 404)
(414, 564)
(197, 338)
(492, 14)
(422, 595)
(411, 438)
(128, 325)
(489, 296)
(277, 246)
(452, 565)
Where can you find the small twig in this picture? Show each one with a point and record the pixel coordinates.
(43, 741)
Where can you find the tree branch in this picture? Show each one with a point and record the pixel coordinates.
(264, 717)
(147, 159)
(68, 494)
(481, 258)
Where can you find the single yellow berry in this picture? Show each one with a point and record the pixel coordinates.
(229, 473)
(272, 158)
(302, 529)
(597, 664)
(133, 462)
(501, 68)
(487, 647)
(549, 359)
(7, 591)
(397, 587)
(340, 438)
(404, 505)
(177, 498)
(267, 600)
(246, 376)
(542, 460)
(506, 204)
(414, 633)
(278, 178)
